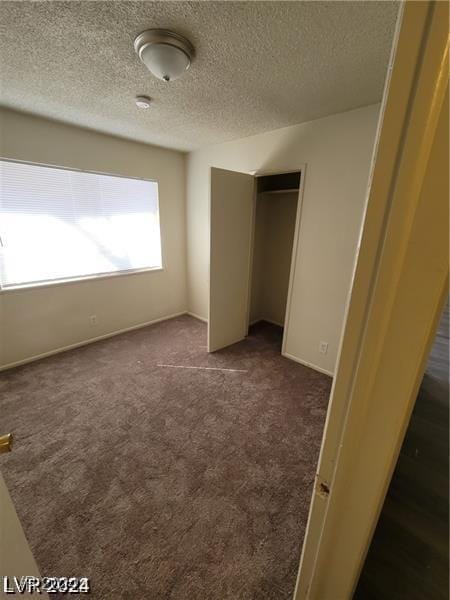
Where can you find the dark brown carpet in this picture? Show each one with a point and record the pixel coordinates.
(163, 483)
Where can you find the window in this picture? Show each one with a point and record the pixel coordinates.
(60, 224)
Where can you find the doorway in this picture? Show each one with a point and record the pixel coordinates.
(254, 229)
(275, 218)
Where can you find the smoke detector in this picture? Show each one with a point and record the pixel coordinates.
(142, 102)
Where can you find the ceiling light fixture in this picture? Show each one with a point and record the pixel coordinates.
(165, 54)
(142, 102)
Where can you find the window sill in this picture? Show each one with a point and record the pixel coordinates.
(58, 282)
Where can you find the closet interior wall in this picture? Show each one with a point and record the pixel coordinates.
(274, 229)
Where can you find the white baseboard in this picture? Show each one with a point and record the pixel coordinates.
(307, 364)
(191, 314)
(89, 341)
(273, 322)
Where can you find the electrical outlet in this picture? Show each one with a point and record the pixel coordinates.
(93, 320)
(323, 347)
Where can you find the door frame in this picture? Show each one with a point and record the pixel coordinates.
(16, 557)
(301, 168)
(400, 284)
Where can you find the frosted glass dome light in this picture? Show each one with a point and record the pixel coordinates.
(165, 54)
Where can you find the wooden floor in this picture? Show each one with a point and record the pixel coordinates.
(408, 557)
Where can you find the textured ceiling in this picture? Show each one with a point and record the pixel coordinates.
(259, 65)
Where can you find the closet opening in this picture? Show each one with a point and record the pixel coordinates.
(274, 238)
(254, 232)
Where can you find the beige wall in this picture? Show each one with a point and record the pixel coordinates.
(337, 151)
(35, 321)
(257, 266)
(273, 241)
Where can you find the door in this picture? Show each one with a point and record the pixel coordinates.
(16, 559)
(231, 226)
(399, 286)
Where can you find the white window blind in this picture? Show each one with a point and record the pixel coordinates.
(61, 224)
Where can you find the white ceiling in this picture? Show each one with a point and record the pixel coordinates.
(259, 65)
